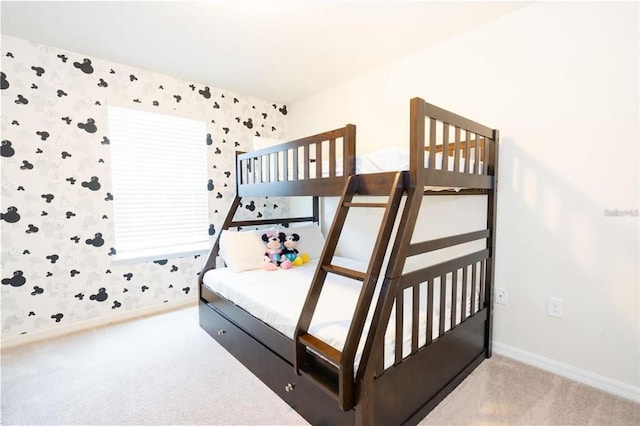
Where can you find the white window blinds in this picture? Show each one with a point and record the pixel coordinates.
(159, 169)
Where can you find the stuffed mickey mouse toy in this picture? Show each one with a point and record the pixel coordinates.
(273, 257)
(291, 252)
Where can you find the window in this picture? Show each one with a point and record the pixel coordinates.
(159, 170)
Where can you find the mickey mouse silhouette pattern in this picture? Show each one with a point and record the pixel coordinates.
(4, 83)
(89, 126)
(85, 66)
(21, 100)
(11, 216)
(39, 70)
(45, 159)
(17, 280)
(100, 296)
(93, 184)
(7, 150)
(97, 241)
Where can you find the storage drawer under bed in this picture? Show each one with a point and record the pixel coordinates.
(304, 396)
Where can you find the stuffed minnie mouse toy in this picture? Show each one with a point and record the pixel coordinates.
(291, 252)
(273, 256)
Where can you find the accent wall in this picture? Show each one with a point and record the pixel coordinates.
(57, 222)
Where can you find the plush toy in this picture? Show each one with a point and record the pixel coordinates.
(273, 256)
(291, 252)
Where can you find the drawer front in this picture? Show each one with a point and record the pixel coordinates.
(305, 397)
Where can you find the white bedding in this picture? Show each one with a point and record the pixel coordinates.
(277, 297)
(385, 160)
(392, 159)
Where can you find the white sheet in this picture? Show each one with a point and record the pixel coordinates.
(392, 159)
(385, 160)
(277, 297)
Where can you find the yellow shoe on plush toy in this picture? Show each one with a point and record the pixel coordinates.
(298, 261)
(304, 257)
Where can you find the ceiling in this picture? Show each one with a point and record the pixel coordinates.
(280, 51)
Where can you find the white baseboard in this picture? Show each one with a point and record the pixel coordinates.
(582, 376)
(49, 333)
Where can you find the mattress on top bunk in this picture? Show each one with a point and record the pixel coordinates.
(277, 297)
(392, 159)
(385, 160)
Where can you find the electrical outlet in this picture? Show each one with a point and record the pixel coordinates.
(501, 295)
(555, 307)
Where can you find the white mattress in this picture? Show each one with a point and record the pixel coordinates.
(277, 297)
(392, 159)
(386, 160)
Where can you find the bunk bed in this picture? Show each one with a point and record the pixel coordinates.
(410, 336)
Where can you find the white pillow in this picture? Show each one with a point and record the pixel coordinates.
(242, 251)
(311, 239)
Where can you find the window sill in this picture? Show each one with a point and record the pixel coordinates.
(162, 253)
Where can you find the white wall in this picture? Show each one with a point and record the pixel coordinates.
(560, 80)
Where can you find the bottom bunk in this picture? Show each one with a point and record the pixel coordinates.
(400, 396)
(253, 314)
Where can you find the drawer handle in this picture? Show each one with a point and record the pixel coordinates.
(221, 332)
(289, 387)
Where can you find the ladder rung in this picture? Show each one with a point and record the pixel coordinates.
(345, 272)
(327, 351)
(349, 204)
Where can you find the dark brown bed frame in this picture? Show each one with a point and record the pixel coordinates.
(318, 380)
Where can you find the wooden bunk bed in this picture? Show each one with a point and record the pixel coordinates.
(357, 384)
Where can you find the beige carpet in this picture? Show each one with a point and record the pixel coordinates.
(164, 370)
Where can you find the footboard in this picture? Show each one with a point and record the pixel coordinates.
(316, 165)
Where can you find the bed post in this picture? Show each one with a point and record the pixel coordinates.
(349, 151)
(418, 114)
(492, 205)
(316, 209)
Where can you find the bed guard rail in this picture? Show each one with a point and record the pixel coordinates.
(315, 165)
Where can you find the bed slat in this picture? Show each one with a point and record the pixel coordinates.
(463, 313)
(443, 304)
(473, 289)
(268, 166)
(429, 311)
(454, 298)
(307, 162)
(295, 164)
(456, 153)
(467, 145)
(476, 152)
(332, 157)
(399, 327)
(415, 317)
(482, 281)
(445, 147)
(318, 160)
(285, 166)
(432, 144)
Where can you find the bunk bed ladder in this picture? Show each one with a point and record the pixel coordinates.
(340, 363)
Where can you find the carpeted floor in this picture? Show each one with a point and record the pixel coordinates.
(164, 370)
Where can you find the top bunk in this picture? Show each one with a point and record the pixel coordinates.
(448, 154)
